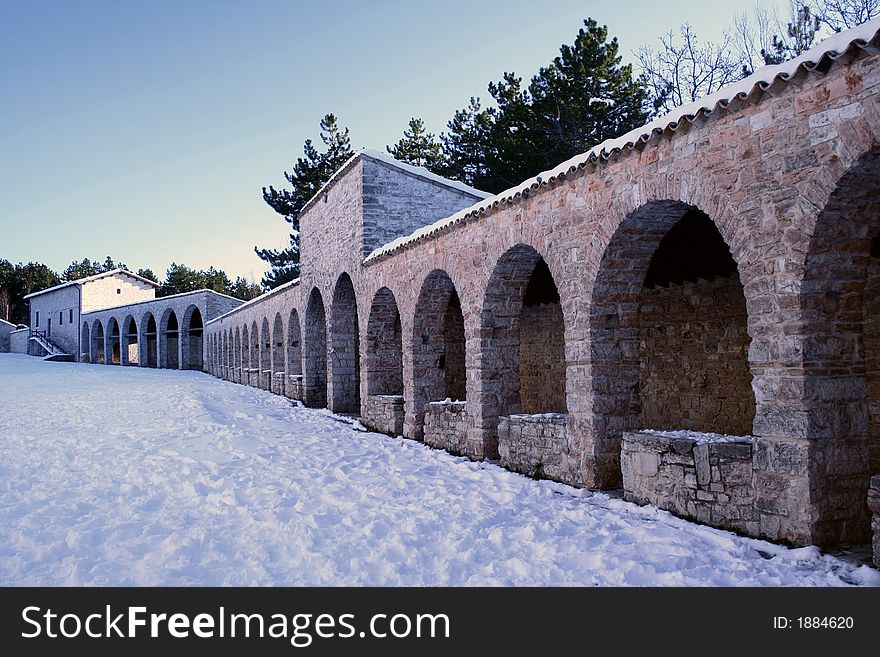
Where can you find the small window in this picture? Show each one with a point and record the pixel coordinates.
(60, 318)
(49, 327)
(38, 318)
(70, 319)
(118, 290)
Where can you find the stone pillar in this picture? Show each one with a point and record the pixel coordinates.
(874, 506)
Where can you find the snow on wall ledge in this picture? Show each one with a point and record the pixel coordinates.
(749, 90)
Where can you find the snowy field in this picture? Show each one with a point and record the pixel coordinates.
(124, 476)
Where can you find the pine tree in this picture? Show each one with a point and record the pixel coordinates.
(467, 145)
(419, 147)
(582, 98)
(180, 279)
(309, 173)
(148, 274)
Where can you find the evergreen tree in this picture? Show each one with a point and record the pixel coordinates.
(467, 145)
(241, 288)
(148, 274)
(16, 282)
(309, 173)
(85, 268)
(582, 98)
(800, 35)
(216, 279)
(180, 279)
(419, 148)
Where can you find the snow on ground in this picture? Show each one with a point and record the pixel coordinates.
(126, 476)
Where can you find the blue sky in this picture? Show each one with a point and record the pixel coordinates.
(146, 130)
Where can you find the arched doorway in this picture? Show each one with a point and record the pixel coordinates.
(344, 349)
(279, 369)
(384, 407)
(97, 347)
(265, 380)
(193, 332)
(669, 335)
(169, 341)
(438, 350)
(129, 347)
(150, 349)
(315, 389)
(113, 347)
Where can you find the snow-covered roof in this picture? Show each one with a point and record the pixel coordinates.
(748, 89)
(159, 300)
(255, 300)
(419, 172)
(3, 322)
(89, 279)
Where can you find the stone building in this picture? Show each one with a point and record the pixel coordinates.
(711, 274)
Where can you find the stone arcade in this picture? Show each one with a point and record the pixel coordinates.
(715, 272)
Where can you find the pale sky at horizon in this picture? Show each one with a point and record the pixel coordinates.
(146, 131)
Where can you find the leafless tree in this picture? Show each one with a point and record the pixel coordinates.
(682, 70)
(839, 15)
(5, 304)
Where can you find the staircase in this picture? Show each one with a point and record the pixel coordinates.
(52, 351)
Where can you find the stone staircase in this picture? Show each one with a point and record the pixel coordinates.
(51, 351)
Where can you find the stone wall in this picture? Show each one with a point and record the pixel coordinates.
(383, 413)
(874, 506)
(293, 387)
(542, 359)
(5, 329)
(52, 312)
(707, 482)
(446, 426)
(115, 290)
(694, 358)
(535, 445)
(871, 338)
(18, 341)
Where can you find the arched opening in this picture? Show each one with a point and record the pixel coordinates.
(522, 371)
(438, 349)
(315, 392)
(294, 345)
(254, 351)
(113, 346)
(384, 346)
(129, 348)
(245, 353)
(383, 409)
(840, 306)
(668, 333)
(344, 349)
(237, 355)
(151, 341)
(279, 369)
(85, 349)
(265, 356)
(226, 358)
(169, 341)
(97, 347)
(193, 332)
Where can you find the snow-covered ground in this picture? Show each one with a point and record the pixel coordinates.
(125, 476)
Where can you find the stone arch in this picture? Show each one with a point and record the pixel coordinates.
(344, 351)
(85, 346)
(315, 383)
(278, 364)
(237, 355)
(169, 341)
(438, 349)
(192, 347)
(97, 346)
(254, 347)
(130, 343)
(669, 334)
(294, 345)
(265, 364)
(245, 352)
(225, 359)
(840, 327)
(113, 349)
(384, 346)
(149, 341)
(523, 367)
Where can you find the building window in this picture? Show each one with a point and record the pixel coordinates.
(38, 319)
(70, 319)
(118, 290)
(49, 327)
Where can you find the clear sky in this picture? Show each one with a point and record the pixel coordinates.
(145, 130)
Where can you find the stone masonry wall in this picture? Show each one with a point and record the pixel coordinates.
(18, 341)
(706, 482)
(871, 338)
(542, 359)
(694, 358)
(5, 329)
(533, 444)
(446, 426)
(383, 413)
(874, 506)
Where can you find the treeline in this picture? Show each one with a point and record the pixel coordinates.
(584, 96)
(19, 280)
